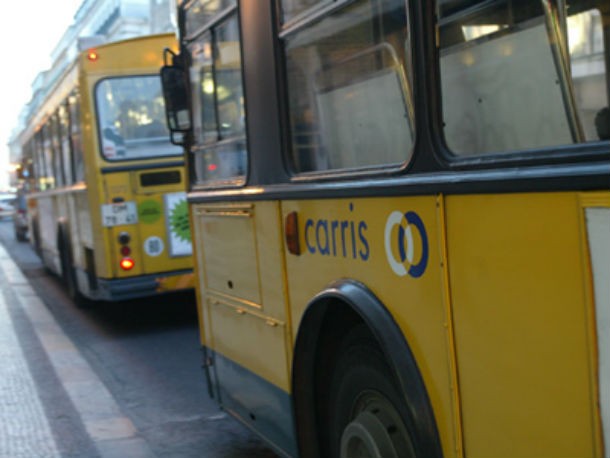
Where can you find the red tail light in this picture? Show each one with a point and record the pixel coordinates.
(127, 263)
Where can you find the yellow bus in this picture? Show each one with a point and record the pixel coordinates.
(401, 221)
(108, 212)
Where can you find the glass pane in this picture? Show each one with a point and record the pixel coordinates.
(200, 12)
(76, 138)
(222, 162)
(218, 106)
(292, 8)
(40, 165)
(58, 170)
(48, 180)
(229, 93)
(589, 75)
(349, 89)
(515, 75)
(202, 80)
(64, 136)
(132, 119)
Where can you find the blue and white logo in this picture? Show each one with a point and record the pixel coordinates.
(405, 241)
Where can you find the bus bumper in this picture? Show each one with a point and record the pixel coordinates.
(144, 285)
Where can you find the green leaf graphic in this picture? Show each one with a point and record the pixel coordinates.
(179, 221)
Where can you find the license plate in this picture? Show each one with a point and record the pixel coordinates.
(119, 214)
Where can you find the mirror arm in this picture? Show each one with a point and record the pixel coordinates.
(167, 54)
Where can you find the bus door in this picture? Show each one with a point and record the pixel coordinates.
(245, 328)
(244, 313)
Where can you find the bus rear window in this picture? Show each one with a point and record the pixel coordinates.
(519, 75)
(131, 119)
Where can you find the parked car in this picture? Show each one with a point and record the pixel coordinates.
(7, 205)
(20, 217)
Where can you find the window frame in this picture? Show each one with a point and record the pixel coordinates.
(77, 155)
(98, 120)
(207, 31)
(301, 22)
(575, 153)
(64, 142)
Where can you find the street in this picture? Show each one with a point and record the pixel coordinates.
(146, 354)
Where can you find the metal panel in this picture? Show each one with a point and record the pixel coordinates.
(598, 228)
(522, 329)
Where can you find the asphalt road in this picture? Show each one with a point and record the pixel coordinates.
(146, 353)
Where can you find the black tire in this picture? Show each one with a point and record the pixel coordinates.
(37, 241)
(20, 235)
(366, 411)
(68, 275)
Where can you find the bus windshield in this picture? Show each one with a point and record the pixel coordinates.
(131, 117)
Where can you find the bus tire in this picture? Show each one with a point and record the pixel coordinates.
(367, 413)
(68, 274)
(36, 238)
(20, 235)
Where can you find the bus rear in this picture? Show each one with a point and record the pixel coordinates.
(107, 208)
(136, 178)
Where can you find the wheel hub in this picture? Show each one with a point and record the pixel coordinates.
(367, 436)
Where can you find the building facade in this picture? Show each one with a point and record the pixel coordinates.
(95, 22)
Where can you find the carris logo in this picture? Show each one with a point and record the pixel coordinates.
(399, 239)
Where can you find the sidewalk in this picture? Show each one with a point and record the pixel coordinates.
(27, 427)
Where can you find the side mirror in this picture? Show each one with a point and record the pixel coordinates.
(175, 93)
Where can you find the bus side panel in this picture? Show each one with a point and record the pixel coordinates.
(380, 243)
(81, 232)
(47, 231)
(244, 318)
(522, 333)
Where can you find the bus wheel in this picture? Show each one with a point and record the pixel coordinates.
(36, 236)
(69, 278)
(367, 411)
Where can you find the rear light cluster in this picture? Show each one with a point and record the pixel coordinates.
(126, 262)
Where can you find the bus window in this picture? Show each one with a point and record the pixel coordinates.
(56, 144)
(39, 166)
(132, 119)
(76, 138)
(498, 57)
(218, 106)
(348, 89)
(586, 46)
(202, 11)
(48, 181)
(64, 138)
(292, 8)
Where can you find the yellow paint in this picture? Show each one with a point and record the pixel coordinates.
(242, 298)
(176, 282)
(521, 327)
(452, 355)
(501, 322)
(592, 200)
(417, 304)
